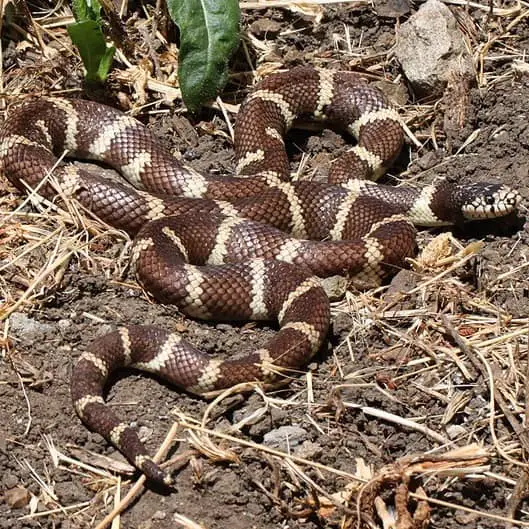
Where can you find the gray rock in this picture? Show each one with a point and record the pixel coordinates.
(431, 49)
(144, 433)
(455, 430)
(397, 93)
(265, 27)
(309, 450)
(10, 480)
(25, 327)
(70, 492)
(392, 8)
(285, 437)
(104, 328)
(334, 286)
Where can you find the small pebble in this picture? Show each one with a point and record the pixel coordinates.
(309, 450)
(17, 498)
(265, 27)
(145, 433)
(285, 437)
(334, 286)
(29, 328)
(10, 481)
(455, 430)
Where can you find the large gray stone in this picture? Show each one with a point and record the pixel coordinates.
(431, 49)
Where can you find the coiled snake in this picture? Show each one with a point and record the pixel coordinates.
(235, 248)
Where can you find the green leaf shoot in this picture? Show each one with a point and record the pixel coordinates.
(209, 34)
(88, 36)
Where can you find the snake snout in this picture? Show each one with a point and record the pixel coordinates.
(490, 201)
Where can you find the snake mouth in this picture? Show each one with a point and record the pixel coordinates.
(496, 201)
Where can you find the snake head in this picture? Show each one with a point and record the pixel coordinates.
(487, 201)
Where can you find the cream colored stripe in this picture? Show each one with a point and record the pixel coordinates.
(101, 144)
(220, 250)
(272, 178)
(354, 187)
(373, 161)
(193, 303)
(71, 122)
(41, 125)
(83, 402)
(370, 117)
(97, 362)
(194, 185)
(265, 363)
(297, 228)
(421, 213)
(71, 180)
(308, 330)
(156, 207)
(325, 92)
(249, 158)
(226, 208)
(125, 342)
(289, 250)
(156, 364)
(277, 99)
(301, 289)
(394, 218)
(116, 432)
(134, 169)
(374, 256)
(14, 140)
(140, 460)
(209, 377)
(140, 245)
(274, 133)
(168, 232)
(258, 304)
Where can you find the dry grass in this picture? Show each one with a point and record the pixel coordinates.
(439, 330)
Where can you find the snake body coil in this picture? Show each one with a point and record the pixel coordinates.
(234, 248)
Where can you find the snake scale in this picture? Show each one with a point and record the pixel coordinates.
(234, 247)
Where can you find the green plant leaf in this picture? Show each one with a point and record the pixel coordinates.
(209, 34)
(86, 10)
(96, 54)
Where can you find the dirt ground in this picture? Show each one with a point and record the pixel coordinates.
(390, 350)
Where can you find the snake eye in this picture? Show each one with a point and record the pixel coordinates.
(489, 200)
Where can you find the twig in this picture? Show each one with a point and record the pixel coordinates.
(496, 397)
(26, 398)
(1, 54)
(391, 417)
(449, 270)
(268, 450)
(137, 488)
(287, 3)
(521, 489)
(455, 506)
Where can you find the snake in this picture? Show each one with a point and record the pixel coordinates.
(246, 246)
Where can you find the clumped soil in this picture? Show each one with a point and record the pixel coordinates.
(371, 359)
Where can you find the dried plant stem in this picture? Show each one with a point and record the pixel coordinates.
(137, 488)
(457, 507)
(268, 450)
